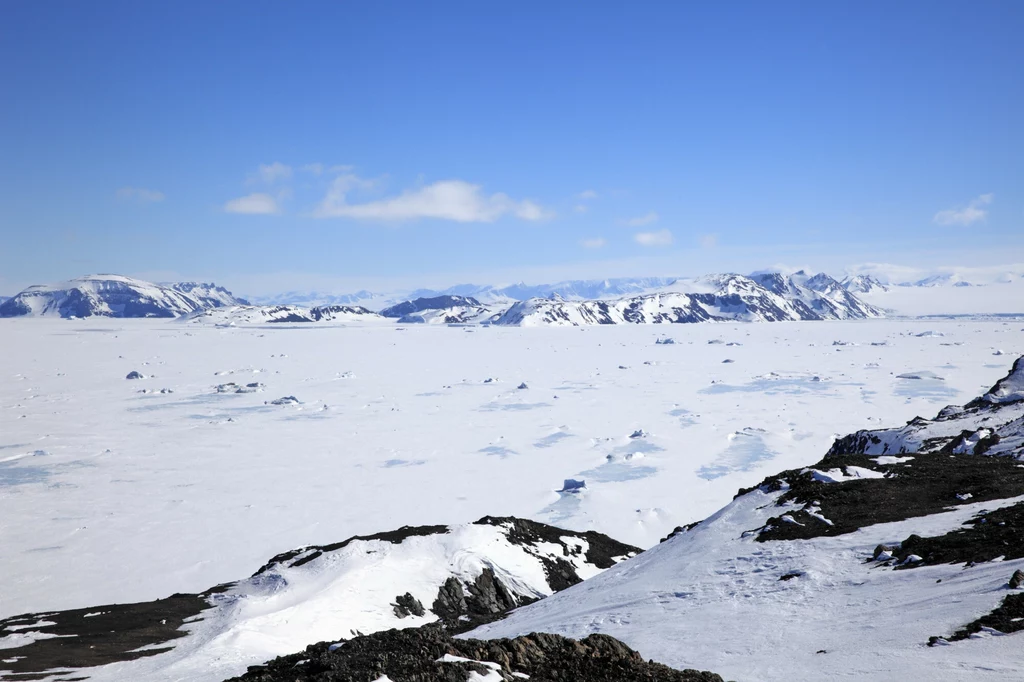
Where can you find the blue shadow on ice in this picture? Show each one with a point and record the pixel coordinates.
(924, 385)
(746, 449)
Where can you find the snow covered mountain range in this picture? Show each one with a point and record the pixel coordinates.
(116, 296)
(764, 297)
(241, 315)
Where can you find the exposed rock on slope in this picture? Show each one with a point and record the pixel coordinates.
(99, 635)
(429, 654)
(460, 575)
(116, 296)
(962, 456)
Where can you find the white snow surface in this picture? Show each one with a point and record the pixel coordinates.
(108, 495)
(400, 426)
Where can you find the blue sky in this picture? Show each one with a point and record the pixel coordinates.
(274, 146)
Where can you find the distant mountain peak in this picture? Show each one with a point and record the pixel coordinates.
(862, 284)
(108, 295)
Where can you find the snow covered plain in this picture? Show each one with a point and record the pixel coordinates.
(110, 494)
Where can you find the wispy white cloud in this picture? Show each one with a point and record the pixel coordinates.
(140, 194)
(587, 195)
(253, 204)
(709, 241)
(321, 168)
(646, 219)
(454, 200)
(659, 238)
(271, 173)
(973, 212)
(581, 208)
(595, 243)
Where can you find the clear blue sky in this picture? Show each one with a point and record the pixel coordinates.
(289, 145)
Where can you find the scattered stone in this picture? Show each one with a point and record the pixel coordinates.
(135, 375)
(522, 386)
(639, 433)
(727, 360)
(1017, 579)
(407, 605)
(884, 552)
(667, 341)
(287, 400)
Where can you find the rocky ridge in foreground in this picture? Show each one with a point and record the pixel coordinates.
(430, 654)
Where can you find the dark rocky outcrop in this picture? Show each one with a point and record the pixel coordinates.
(1006, 618)
(485, 600)
(998, 533)
(407, 605)
(413, 655)
(602, 551)
(931, 485)
(101, 634)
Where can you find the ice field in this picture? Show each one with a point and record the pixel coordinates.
(113, 491)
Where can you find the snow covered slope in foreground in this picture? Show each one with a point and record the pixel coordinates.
(461, 575)
(116, 296)
(894, 556)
